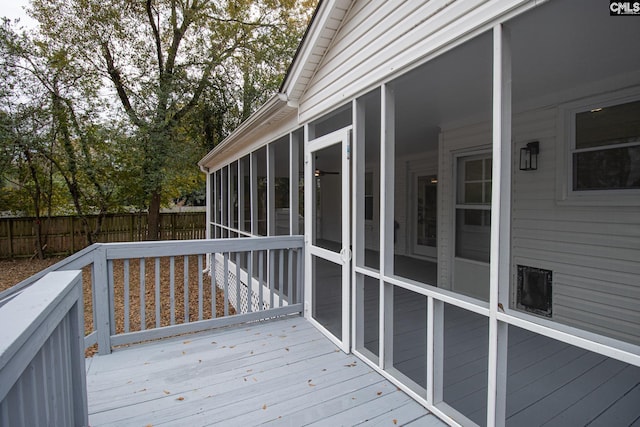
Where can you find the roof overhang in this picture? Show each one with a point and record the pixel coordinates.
(270, 116)
(280, 109)
(325, 23)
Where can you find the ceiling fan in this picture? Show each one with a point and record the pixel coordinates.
(319, 173)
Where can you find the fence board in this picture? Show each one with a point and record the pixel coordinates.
(64, 235)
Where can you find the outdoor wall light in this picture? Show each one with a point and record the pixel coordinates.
(529, 156)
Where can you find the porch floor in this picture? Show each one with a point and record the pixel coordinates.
(281, 372)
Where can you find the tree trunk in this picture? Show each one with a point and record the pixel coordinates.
(153, 219)
(36, 203)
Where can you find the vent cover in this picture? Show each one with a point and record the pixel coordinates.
(534, 290)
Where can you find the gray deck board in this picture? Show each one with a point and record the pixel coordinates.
(281, 372)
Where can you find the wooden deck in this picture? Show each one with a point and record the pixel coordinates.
(281, 372)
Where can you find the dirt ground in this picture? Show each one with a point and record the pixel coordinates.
(14, 271)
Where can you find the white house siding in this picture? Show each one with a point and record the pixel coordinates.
(593, 251)
(380, 39)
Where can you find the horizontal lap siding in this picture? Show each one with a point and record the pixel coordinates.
(378, 39)
(593, 251)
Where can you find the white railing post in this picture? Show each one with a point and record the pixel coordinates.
(102, 307)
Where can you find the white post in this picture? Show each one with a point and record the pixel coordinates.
(387, 182)
(500, 226)
(294, 171)
(102, 305)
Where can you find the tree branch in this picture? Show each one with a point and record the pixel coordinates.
(156, 37)
(116, 78)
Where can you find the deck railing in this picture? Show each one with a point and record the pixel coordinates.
(42, 374)
(148, 290)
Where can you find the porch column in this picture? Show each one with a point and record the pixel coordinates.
(294, 179)
(387, 213)
(500, 226)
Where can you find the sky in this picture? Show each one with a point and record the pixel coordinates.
(15, 9)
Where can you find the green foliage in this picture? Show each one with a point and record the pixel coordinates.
(118, 99)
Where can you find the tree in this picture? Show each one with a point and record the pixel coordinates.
(183, 71)
(51, 124)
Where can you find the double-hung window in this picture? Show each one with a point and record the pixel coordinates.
(473, 208)
(605, 151)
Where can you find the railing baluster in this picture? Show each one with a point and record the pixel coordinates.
(94, 283)
(157, 292)
(112, 298)
(126, 296)
(260, 269)
(290, 277)
(280, 276)
(226, 283)
(200, 290)
(238, 284)
(185, 265)
(172, 290)
(214, 291)
(143, 321)
(271, 273)
(249, 280)
(300, 271)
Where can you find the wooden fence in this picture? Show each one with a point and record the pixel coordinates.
(64, 235)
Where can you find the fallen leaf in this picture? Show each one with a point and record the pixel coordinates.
(167, 392)
(186, 342)
(184, 352)
(180, 398)
(149, 425)
(264, 406)
(286, 348)
(232, 346)
(294, 326)
(213, 342)
(254, 379)
(395, 421)
(379, 393)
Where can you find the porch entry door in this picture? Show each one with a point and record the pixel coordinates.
(425, 206)
(327, 227)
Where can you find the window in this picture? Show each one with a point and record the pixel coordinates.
(606, 149)
(473, 208)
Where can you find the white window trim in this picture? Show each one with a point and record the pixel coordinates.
(471, 155)
(565, 148)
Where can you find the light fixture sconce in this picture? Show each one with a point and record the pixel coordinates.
(529, 156)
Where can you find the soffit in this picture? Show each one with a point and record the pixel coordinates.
(318, 39)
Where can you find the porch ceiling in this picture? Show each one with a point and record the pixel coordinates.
(560, 47)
